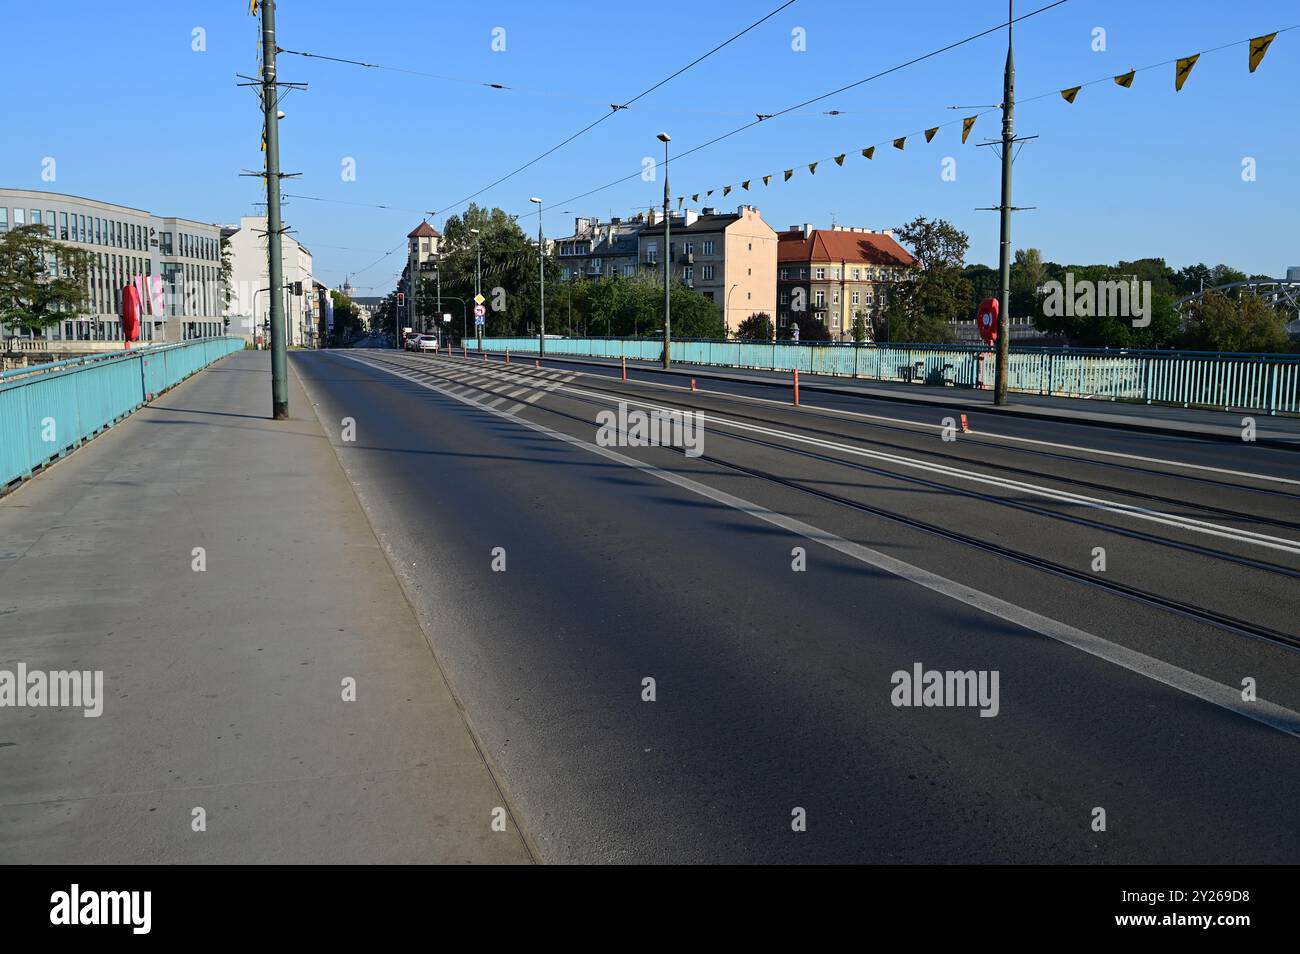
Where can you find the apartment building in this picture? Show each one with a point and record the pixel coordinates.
(249, 308)
(126, 242)
(838, 273)
(600, 249)
(731, 258)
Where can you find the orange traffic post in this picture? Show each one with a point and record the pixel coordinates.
(796, 387)
(624, 367)
(692, 384)
(965, 425)
(507, 355)
(537, 363)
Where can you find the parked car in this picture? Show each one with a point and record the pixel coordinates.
(424, 343)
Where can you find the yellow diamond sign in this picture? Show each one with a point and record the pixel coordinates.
(479, 299)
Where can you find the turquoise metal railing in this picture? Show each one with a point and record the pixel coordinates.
(1266, 383)
(45, 413)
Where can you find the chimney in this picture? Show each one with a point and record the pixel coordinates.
(689, 217)
(807, 229)
(889, 233)
(707, 210)
(651, 218)
(615, 221)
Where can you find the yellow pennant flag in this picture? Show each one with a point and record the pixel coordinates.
(788, 174)
(766, 179)
(929, 134)
(745, 185)
(264, 140)
(966, 125)
(900, 143)
(726, 190)
(1183, 70)
(1126, 79)
(839, 160)
(252, 8)
(812, 167)
(869, 152)
(1258, 47)
(1069, 94)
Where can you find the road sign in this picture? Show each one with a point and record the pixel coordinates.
(479, 312)
(478, 300)
(479, 321)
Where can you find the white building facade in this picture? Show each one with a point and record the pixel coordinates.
(249, 307)
(126, 242)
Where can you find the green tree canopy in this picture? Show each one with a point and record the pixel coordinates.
(31, 298)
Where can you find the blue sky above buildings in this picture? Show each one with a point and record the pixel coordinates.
(132, 114)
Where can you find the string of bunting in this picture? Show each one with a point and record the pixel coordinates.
(1257, 48)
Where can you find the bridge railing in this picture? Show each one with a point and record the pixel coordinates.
(45, 413)
(1264, 383)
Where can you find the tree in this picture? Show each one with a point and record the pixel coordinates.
(923, 309)
(757, 327)
(1027, 275)
(810, 329)
(859, 330)
(1219, 322)
(32, 297)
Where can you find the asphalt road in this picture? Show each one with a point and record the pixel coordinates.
(1119, 690)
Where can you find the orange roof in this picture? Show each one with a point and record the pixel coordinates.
(832, 245)
(424, 230)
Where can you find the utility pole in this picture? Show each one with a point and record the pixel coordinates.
(1004, 250)
(668, 254)
(275, 262)
(541, 279)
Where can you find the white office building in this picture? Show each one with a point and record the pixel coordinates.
(249, 307)
(125, 242)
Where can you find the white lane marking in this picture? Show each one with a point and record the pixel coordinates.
(1226, 697)
(515, 394)
(1190, 524)
(495, 402)
(982, 433)
(514, 408)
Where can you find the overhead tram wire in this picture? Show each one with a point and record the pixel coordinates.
(616, 108)
(765, 117)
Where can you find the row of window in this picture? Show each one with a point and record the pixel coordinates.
(819, 298)
(92, 230)
(857, 274)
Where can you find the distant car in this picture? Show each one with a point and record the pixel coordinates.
(408, 340)
(424, 343)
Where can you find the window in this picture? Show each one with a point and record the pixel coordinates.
(36, 217)
(4, 219)
(19, 218)
(821, 274)
(783, 298)
(165, 243)
(690, 248)
(820, 299)
(652, 252)
(781, 273)
(51, 223)
(708, 273)
(708, 247)
(835, 297)
(688, 273)
(856, 296)
(857, 274)
(835, 273)
(803, 273)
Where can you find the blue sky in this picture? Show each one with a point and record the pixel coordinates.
(132, 114)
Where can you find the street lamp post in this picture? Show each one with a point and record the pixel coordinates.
(664, 138)
(478, 283)
(541, 279)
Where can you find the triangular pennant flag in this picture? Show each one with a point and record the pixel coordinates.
(869, 151)
(679, 203)
(726, 190)
(252, 8)
(900, 142)
(766, 179)
(788, 174)
(929, 134)
(695, 198)
(1183, 69)
(1126, 79)
(812, 167)
(745, 185)
(1069, 94)
(709, 193)
(264, 140)
(966, 125)
(1258, 47)
(839, 160)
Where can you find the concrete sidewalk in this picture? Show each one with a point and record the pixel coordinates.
(1277, 430)
(223, 687)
